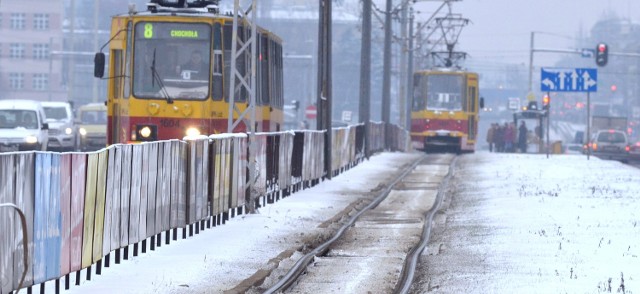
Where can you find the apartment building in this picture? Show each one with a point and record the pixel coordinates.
(30, 30)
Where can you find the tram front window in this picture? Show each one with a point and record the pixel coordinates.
(171, 59)
(444, 92)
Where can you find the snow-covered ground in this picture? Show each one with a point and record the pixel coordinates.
(221, 258)
(527, 224)
(516, 224)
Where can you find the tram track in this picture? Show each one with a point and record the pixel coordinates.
(403, 212)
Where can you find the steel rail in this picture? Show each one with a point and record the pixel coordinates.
(25, 241)
(301, 265)
(410, 263)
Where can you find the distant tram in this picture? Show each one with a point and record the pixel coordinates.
(168, 73)
(444, 113)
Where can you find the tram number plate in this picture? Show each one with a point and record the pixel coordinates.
(170, 123)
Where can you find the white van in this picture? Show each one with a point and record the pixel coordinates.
(59, 117)
(22, 126)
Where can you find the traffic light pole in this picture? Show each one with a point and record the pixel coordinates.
(548, 120)
(588, 134)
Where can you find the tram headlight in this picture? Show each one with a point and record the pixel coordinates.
(192, 132)
(82, 131)
(146, 133)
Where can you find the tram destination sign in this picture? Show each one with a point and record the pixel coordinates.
(568, 79)
(171, 30)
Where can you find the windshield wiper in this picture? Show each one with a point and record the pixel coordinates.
(156, 77)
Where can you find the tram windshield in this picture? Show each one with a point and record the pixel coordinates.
(439, 92)
(172, 60)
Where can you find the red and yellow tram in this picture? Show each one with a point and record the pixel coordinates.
(445, 108)
(168, 73)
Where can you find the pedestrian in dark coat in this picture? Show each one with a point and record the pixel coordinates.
(522, 137)
(490, 135)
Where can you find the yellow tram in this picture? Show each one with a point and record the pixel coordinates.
(169, 68)
(445, 108)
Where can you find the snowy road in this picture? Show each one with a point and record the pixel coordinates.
(527, 224)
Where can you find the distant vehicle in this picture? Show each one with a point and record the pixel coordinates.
(634, 152)
(610, 144)
(22, 126)
(92, 127)
(608, 123)
(573, 148)
(444, 114)
(59, 116)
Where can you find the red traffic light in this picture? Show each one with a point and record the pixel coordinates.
(602, 48)
(546, 100)
(602, 54)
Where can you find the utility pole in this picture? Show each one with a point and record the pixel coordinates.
(403, 65)
(72, 47)
(324, 80)
(531, 64)
(410, 73)
(96, 14)
(365, 73)
(386, 74)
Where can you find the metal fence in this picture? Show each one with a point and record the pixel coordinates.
(80, 207)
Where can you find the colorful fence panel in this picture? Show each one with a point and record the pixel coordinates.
(7, 225)
(65, 213)
(24, 199)
(82, 206)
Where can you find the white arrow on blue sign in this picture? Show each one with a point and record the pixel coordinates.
(568, 79)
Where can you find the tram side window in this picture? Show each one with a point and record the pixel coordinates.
(127, 64)
(279, 75)
(227, 37)
(472, 98)
(272, 69)
(266, 64)
(218, 81)
(117, 73)
(419, 90)
(240, 61)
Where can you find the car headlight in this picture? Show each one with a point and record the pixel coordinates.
(192, 132)
(82, 131)
(68, 131)
(31, 139)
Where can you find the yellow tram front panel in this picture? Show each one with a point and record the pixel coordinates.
(170, 76)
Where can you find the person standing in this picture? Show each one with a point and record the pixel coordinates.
(522, 137)
(490, 135)
(498, 138)
(509, 137)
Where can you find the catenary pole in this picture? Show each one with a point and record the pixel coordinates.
(365, 73)
(324, 81)
(386, 75)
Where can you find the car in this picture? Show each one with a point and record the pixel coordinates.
(92, 126)
(634, 152)
(62, 135)
(573, 148)
(22, 126)
(610, 144)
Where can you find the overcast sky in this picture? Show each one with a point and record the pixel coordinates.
(501, 29)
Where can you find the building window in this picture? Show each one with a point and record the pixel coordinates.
(16, 50)
(16, 80)
(40, 21)
(40, 51)
(40, 81)
(17, 21)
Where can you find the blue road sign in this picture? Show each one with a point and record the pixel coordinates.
(568, 79)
